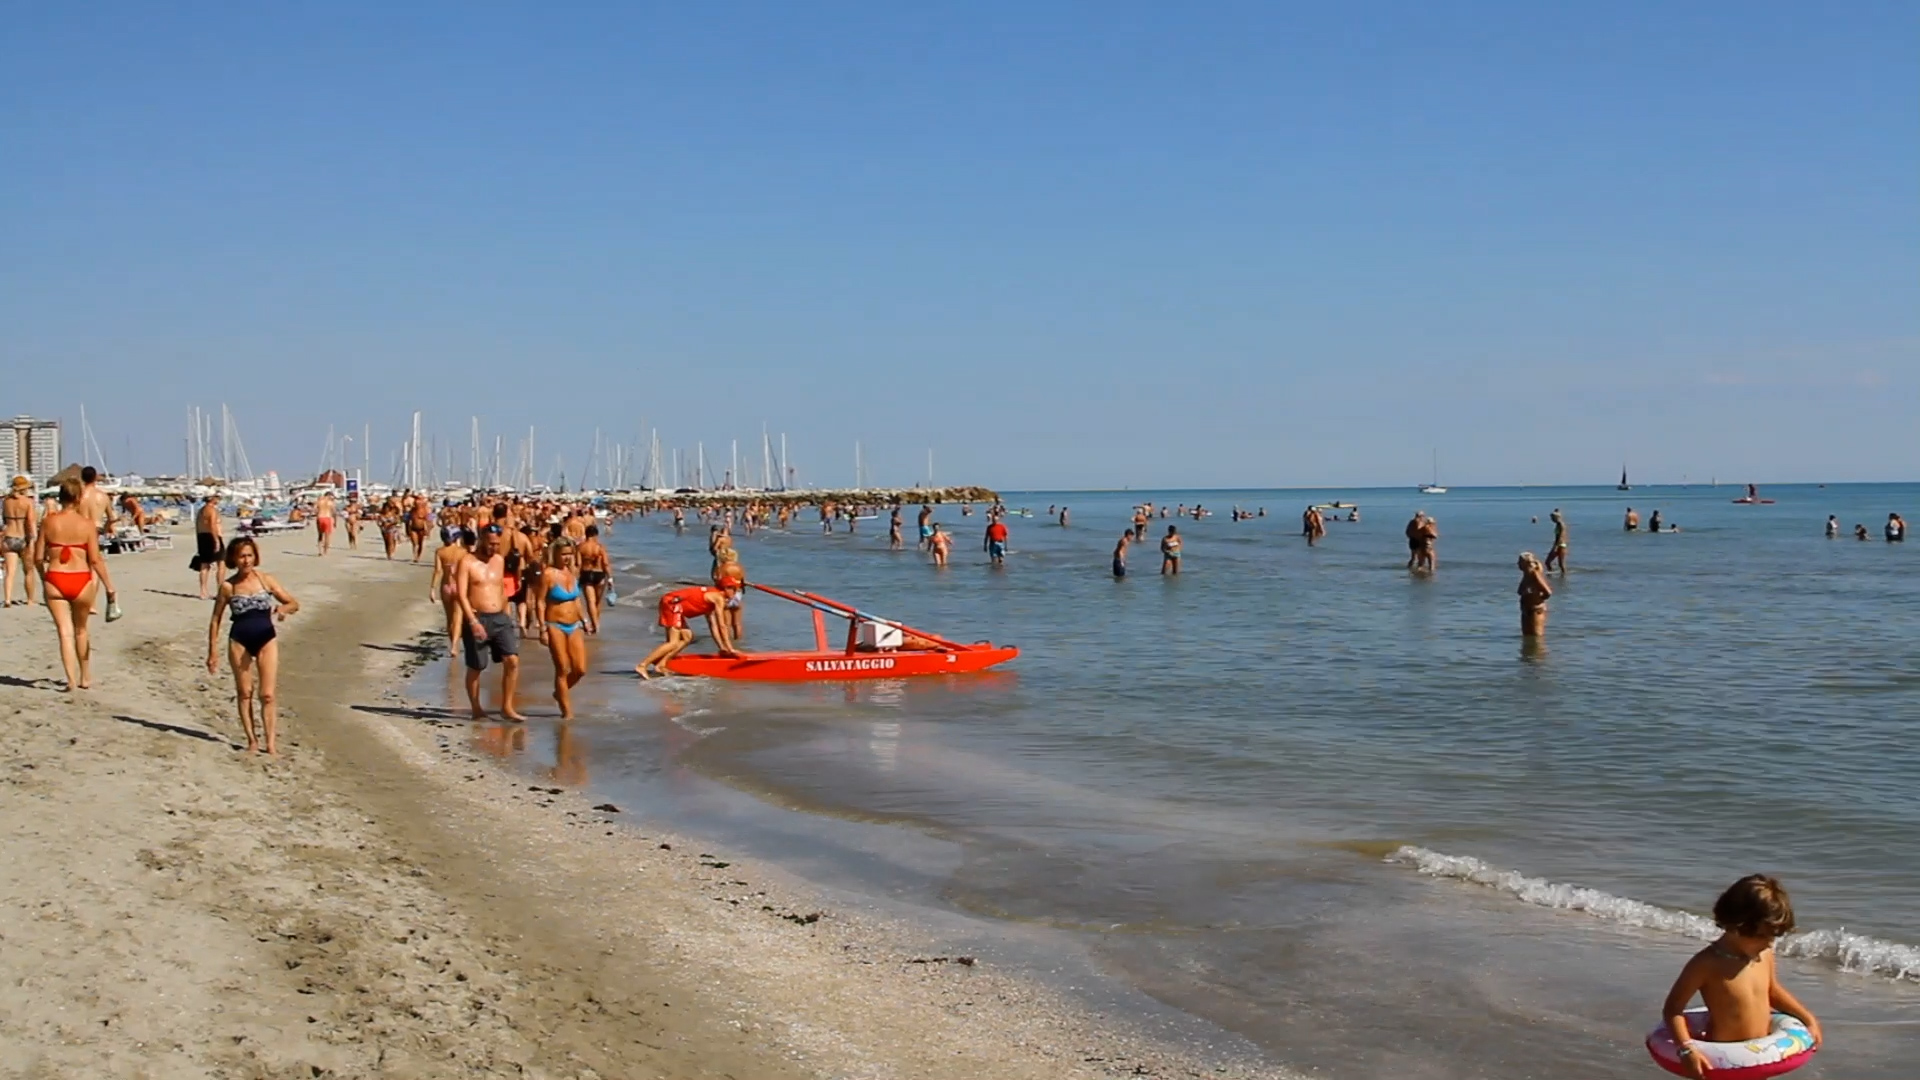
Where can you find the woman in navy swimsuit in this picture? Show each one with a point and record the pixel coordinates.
(256, 601)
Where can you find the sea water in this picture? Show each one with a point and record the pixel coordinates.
(1332, 806)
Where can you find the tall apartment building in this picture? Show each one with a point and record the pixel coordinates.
(29, 447)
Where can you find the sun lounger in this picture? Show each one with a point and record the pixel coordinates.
(123, 540)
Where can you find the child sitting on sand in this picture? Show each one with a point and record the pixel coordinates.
(1736, 976)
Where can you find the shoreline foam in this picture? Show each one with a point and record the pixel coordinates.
(1848, 951)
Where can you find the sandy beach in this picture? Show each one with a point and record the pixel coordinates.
(382, 902)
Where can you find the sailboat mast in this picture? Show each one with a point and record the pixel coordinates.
(90, 446)
(413, 455)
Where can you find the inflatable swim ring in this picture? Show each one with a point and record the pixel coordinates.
(1785, 1047)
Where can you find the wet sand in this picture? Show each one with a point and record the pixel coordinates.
(380, 901)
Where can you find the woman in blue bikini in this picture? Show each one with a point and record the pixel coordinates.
(563, 624)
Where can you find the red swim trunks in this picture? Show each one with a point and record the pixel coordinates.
(670, 616)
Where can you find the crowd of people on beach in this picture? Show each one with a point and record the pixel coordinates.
(514, 566)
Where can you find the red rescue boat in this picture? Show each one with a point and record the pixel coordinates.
(875, 648)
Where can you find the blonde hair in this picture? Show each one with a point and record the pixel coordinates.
(1529, 561)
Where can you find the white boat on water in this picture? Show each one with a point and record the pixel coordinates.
(1434, 488)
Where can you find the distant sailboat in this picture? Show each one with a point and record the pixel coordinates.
(1623, 480)
(1434, 488)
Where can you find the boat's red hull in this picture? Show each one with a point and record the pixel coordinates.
(835, 666)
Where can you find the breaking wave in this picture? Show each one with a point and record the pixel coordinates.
(1847, 951)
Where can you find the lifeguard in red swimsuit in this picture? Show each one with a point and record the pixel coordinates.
(680, 605)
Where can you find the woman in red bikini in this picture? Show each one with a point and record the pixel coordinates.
(70, 559)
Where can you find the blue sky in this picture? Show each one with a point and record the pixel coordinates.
(1061, 244)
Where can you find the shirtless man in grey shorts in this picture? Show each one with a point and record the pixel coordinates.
(490, 630)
